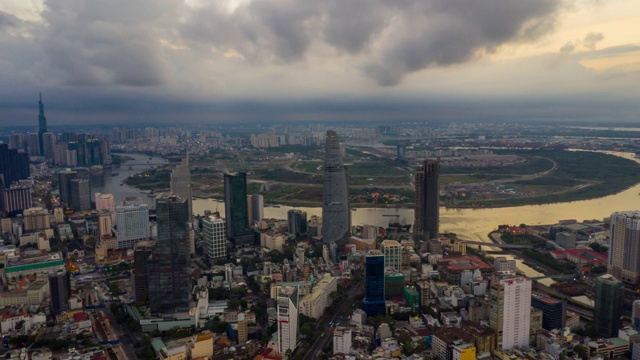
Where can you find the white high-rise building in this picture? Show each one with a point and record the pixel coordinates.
(287, 311)
(215, 237)
(132, 224)
(342, 340)
(511, 311)
(624, 248)
(392, 251)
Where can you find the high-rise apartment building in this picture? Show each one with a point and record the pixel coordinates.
(342, 340)
(235, 206)
(169, 282)
(373, 303)
(554, 311)
(255, 208)
(624, 248)
(336, 217)
(60, 291)
(287, 318)
(17, 142)
(132, 224)
(607, 308)
(427, 211)
(181, 182)
(392, 251)
(214, 237)
(510, 312)
(35, 219)
(16, 198)
(42, 125)
(80, 195)
(49, 145)
(297, 222)
(64, 185)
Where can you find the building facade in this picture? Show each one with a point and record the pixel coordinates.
(336, 217)
(427, 209)
(510, 313)
(181, 183)
(169, 281)
(235, 206)
(60, 289)
(132, 224)
(287, 318)
(607, 309)
(373, 303)
(624, 248)
(215, 239)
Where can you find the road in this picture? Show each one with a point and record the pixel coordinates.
(316, 349)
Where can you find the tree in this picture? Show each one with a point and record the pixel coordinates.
(233, 304)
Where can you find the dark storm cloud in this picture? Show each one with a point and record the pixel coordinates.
(7, 20)
(399, 36)
(106, 42)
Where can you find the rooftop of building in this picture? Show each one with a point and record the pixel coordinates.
(464, 263)
(545, 299)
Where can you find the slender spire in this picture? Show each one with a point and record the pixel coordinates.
(42, 123)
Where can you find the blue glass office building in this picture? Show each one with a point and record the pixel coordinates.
(373, 302)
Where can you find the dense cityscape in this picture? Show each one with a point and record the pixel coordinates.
(94, 268)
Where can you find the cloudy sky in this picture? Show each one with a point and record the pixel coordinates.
(120, 61)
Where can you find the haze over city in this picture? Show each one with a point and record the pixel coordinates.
(200, 61)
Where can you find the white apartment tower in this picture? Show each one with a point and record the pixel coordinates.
(132, 224)
(215, 237)
(287, 310)
(624, 248)
(342, 340)
(392, 251)
(511, 311)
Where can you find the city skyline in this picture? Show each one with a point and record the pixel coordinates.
(196, 61)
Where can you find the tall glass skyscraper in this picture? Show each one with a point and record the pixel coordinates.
(427, 211)
(235, 206)
(169, 282)
(336, 217)
(42, 125)
(607, 309)
(181, 182)
(373, 303)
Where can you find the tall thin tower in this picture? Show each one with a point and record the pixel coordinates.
(42, 125)
(181, 183)
(336, 217)
(427, 216)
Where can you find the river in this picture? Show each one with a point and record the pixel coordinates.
(471, 224)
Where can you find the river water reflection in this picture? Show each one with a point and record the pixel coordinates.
(471, 224)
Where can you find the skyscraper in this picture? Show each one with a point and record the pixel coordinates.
(235, 206)
(169, 282)
(297, 222)
(60, 290)
(336, 217)
(33, 142)
(141, 258)
(42, 124)
(255, 208)
(214, 237)
(373, 303)
(392, 251)
(607, 309)
(14, 164)
(80, 195)
(287, 310)
(132, 224)
(181, 183)
(64, 185)
(49, 145)
(624, 248)
(510, 313)
(427, 209)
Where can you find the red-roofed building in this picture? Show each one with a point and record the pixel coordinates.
(559, 254)
(450, 269)
(580, 256)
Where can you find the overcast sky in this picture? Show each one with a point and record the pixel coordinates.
(121, 61)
